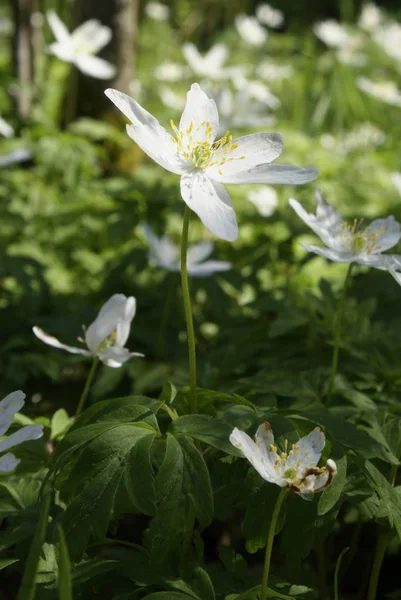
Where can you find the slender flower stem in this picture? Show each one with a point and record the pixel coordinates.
(270, 538)
(86, 389)
(188, 309)
(337, 334)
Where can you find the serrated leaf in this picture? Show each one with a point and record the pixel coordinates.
(330, 496)
(139, 476)
(197, 481)
(209, 430)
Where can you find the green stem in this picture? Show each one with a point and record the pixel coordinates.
(321, 562)
(86, 389)
(377, 563)
(270, 538)
(188, 309)
(337, 334)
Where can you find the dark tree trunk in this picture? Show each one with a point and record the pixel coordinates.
(23, 54)
(126, 27)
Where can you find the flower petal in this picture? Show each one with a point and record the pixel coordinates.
(147, 132)
(286, 174)
(252, 452)
(324, 479)
(8, 462)
(58, 28)
(209, 267)
(26, 434)
(199, 109)
(165, 253)
(115, 357)
(327, 222)
(250, 151)
(64, 52)
(110, 315)
(312, 445)
(334, 255)
(387, 232)
(10, 405)
(212, 204)
(52, 341)
(124, 326)
(199, 252)
(95, 66)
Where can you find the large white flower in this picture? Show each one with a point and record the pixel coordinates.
(347, 243)
(167, 255)
(386, 91)
(80, 46)
(204, 162)
(250, 30)
(107, 335)
(295, 466)
(208, 65)
(10, 405)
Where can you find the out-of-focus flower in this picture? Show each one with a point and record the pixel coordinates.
(389, 38)
(10, 405)
(264, 199)
(295, 466)
(273, 71)
(386, 91)
(157, 11)
(208, 65)
(370, 18)
(6, 26)
(396, 179)
(170, 71)
(167, 255)
(19, 155)
(364, 136)
(6, 129)
(107, 335)
(336, 36)
(204, 162)
(80, 46)
(272, 17)
(250, 30)
(259, 91)
(347, 243)
(171, 99)
(241, 110)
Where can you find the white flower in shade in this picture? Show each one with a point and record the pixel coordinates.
(204, 162)
(272, 17)
(386, 91)
(240, 110)
(332, 34)
(371, 17)
(5, 129)
(157, 11)
(389, 38)
(259, 91)
(396, 179)
(80, 46)
(208, 65)
(170, 71)
(295, 466)
(10, 405)
(107, 335)
(167, 255)
(264, 199)
(171, 99)
(347, 243)
(250, 30)
(273, 71)
(364, 136)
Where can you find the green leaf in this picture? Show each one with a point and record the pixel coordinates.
(330, 496)
(139, 476)
(387, 493)
(209, 430)
(197, 481)
(64, 581)
(6, 562)
(258, 515)
(202, 585)
(60, 423)
(169, 596)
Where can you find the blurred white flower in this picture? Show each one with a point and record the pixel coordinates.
(80, 46)
(348, 45)
(167, 255)
(10, 405)
(295, 466)
(250, 30)
(19, 155)
(259, 91)
(273, 71)
(204, 162)
(107, 335)
(370, 18)
(272, 17)
(387, 91)
(264, 199)
(208, 65)
(364, 136)
(157, 11)
(348, 243)
(396, 179)
(240, 110)
(170, 71)
(171, 99)
(389, 38)
(5, 129)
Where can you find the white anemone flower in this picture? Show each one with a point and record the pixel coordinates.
(241, 110)
(370, 18)
(349, 243)
(167, 255)
(80, 46)
(264, 199)
(386, 91)
(171, 99)
(157, 11)
(170, 71)
(250, 30)
(204, 162)
(10, 405)
(107, 335)
(208, 65)
(294, 467)
(332, 34)
(274, 71)
(389, 38)
(5, 129)
(272, 17)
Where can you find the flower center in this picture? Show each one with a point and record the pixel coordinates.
(108, 342)
(197, 145)
(358, 240)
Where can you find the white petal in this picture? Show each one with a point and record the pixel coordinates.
(8, 462)
(164, 250)
(10, 405)
(386, 231)
(324, 479)
(115, 357)
(52, 341)
(217, 55)
(251, 151)
(124, 326)
(327, 222)
(95, 66)
(110, 315)
(264, 437)
(209, 267)
(58, 28)
(212, 204)
(199, 252)
(88, 34)
(147, 132)
(264, 199)
(334, 255)
(313, 444)
(26, 434)
(6, 129)
(286, 174)
(250, 450)
(198, 109)
(64, 52)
